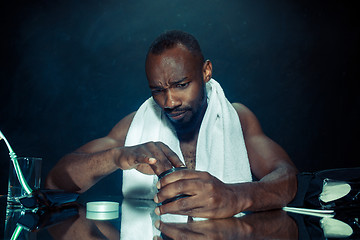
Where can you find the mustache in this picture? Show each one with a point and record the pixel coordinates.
(177, 110)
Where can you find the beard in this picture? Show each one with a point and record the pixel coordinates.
(193, 117)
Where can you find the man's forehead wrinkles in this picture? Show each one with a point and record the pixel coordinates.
(156, 84)
(170, 82)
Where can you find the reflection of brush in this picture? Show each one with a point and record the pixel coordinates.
(15, 162)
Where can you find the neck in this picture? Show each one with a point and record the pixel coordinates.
(190, 134)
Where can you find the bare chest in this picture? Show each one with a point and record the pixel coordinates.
(189, 154)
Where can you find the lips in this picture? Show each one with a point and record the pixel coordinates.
(176, 116)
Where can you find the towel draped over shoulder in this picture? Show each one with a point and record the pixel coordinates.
(220, 147)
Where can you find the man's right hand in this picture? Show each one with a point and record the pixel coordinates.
(81, 169)
(148, 158)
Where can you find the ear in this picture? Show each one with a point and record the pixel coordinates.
(207, 71)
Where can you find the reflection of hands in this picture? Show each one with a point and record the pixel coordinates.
(209, 197)
(149, 158)
(263, 225)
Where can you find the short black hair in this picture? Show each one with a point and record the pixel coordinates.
(170, 39)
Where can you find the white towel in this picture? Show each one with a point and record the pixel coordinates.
(220, 148)
(137, 219)
(220, 151)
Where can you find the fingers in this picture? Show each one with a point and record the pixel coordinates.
(165, 158)
(184, 186)
(186, 205)
(177, 231)
(181, 175)
(171, 156)
(190, 210)
(132, 157)
(162, 162)
(206, 195)
(158, 155)
(191, 206)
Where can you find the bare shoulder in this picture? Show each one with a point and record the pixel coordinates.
(242, 110)
(249, 121)
(119, 131)
(116, 137)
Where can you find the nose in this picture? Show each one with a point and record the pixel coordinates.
(171, 101)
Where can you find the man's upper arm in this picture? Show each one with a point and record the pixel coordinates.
(264, 154)
(116, 137)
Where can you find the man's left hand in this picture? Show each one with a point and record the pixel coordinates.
(209, 197)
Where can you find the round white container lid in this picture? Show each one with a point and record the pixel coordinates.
(102, 215)
(102, 206)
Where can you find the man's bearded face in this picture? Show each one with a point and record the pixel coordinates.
(177, 85)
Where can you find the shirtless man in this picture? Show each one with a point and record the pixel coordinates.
(177, 74)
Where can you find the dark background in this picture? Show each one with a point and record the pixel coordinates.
(70, 70)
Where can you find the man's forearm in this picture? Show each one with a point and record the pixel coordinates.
(77, 172)
(274, 190)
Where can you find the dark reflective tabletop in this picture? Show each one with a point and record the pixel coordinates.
(135, 219)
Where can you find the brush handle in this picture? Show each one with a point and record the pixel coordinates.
(19, 173)
(6, 141)
(17, 168)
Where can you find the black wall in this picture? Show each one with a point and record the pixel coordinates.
(70, 70)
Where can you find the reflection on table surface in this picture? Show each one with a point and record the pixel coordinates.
(135, 219)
